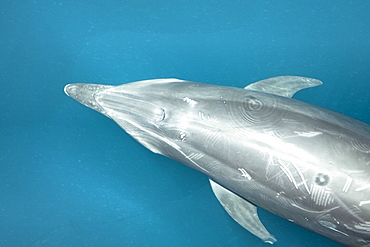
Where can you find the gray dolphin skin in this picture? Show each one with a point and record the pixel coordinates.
(258, 146)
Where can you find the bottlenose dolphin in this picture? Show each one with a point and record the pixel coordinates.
(258, 146)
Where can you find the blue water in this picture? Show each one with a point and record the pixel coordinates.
(71, 177)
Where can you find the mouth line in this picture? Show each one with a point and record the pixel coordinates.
(123, 105)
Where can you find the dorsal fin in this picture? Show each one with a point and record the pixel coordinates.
(285, 86)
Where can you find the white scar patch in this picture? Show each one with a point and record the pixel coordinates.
(245, 173)
(191, 102)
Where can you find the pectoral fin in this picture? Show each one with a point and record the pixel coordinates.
(285, 86)
(242, 212)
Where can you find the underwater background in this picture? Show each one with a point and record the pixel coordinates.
(70, 176)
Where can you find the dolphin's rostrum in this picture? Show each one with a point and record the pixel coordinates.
(258, 146)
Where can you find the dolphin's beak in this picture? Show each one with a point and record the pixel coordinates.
(85, 94)
(115, 102)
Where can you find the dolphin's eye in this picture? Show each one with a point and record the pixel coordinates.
(182, 136)
(160, 114)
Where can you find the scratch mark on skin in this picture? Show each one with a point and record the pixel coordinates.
(245, 173)
(366, 186)
(288, 173)
(345, 207)
(170, 143)
(192, 161)
(347, 184)
(345, 234)
(304, 181)
(313, 211)
(195, 156)
(331, 226)
(321, 196)
(364, 202)
(360, 228)
(308, 134)
(363, 226)
(191, 102)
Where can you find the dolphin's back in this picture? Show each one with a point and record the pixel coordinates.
(305, 163)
